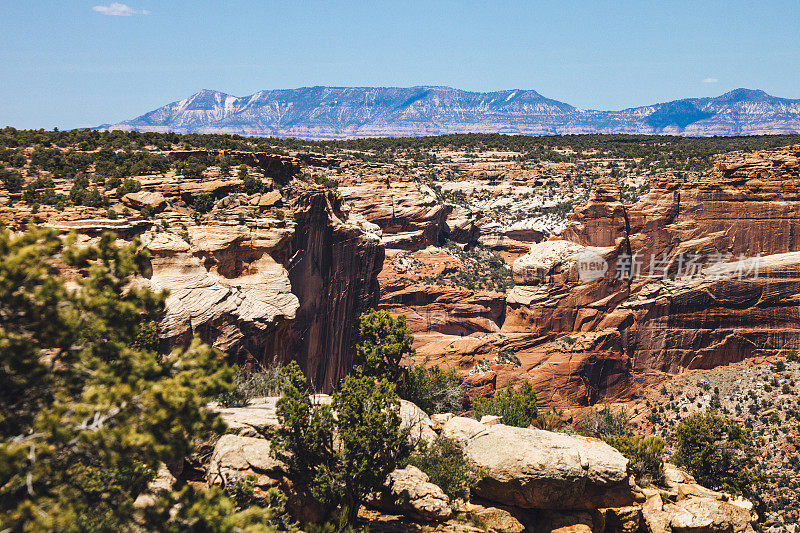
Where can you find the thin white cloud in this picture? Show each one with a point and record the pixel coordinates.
(710, 80)
(119, 10)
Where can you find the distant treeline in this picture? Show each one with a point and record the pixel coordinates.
(555, 147)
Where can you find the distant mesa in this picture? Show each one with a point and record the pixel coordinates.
(352, 112)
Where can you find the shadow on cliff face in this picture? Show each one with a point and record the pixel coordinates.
(272, 293)
(333, 271)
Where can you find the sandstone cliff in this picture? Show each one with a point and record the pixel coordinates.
(258, 287)
(409, 214)
(267, 275)
(225, 284)
(333, 271)
(699, 273)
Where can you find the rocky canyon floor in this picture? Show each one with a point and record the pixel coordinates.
(655, 273)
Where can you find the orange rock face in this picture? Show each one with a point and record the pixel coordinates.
(447, 310)
(333, 272)
(411, 284)
(679, 291)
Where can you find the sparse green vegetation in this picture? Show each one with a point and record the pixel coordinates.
(257, 383)
(203, 203)
(484, 270)
(645, 454)
(12, 179)
(517, 406)
(550, 420)
(83, 432)
(251, 185)
(432, 389)
(445, 464)
(193, 167)
(41, 191)
(128, 185)
(718, 452)
(338, 460)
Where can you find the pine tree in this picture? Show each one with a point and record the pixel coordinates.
(338, 454)
(719, 453)
(384, 343)
(88, 409)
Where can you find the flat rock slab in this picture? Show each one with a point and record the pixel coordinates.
(259, 417)
(538, 469)
(705, 515)
(139, 200)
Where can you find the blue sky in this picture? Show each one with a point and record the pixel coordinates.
(75, 63)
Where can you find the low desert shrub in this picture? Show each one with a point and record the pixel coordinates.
(203, 203)
(605, 422)
(550, 420)
(242, 490)
(129, 185)
(251, 184)
(265, 381)
(718, 452)
(645, 455)
(12, 180)
(446, 466)
(432, 389)
(518, 407)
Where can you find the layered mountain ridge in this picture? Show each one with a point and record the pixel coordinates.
(352, 112)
